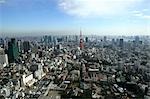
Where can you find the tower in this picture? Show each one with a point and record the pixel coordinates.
(81, 40)
(121, 43)
(13, 51)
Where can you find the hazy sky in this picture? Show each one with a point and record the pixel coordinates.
(102, 17)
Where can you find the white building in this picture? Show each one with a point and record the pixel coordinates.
(39, 73)
(3, 57)
(28, 80)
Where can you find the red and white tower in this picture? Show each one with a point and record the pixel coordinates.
(81, 40)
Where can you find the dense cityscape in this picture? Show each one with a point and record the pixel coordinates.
(75, 67)
(74, 49)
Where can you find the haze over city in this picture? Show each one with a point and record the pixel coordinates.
(74, 49)
(95, 17)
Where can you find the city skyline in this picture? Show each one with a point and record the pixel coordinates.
(96, 17)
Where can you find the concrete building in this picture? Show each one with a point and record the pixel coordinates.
(3, 57)
(13, 51)
(28, 80)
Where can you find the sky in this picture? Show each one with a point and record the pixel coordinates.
(94, 17)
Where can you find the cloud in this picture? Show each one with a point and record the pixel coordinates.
(90, 8)
(2, 1)
(142, 14)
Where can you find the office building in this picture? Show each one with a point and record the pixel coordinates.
(121, 43)
(3, 57)
(13, 51)
(49, 39)
(86, 39)
(26, 46)
(81, 41)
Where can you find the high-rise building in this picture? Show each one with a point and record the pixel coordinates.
(13, 51)
(49, 39)
(113, 41)
(81, 40)
(45, 39)
(65, 39)
(3, 57)
(26, 46)
(1, 42)
(55, 41)
(121, 43)
(20, 45)
(76, 38)
(137, 39)
(105, 38)
(104, 41)
(60, 39)
(86, 39)
(59, 46)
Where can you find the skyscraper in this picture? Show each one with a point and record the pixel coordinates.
(105, 38)
(121, 43)
(20, 45)
(76, 38)
(3, 57)
(13, 51)
(66, 38)
(81, 40)
(45, 39)
(1, 42)
(49, 39)
(104, 41)
(26, 46)
(137, 41)
(86, 39)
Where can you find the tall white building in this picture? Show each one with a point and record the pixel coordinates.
(3, 57)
